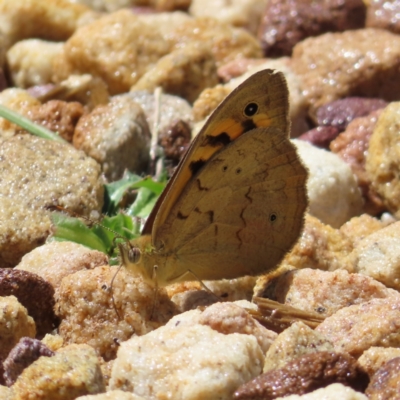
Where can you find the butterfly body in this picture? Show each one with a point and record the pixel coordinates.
(235, 205)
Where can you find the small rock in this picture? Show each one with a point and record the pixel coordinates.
(331, 392)
(382, 161)
(384, 14)
(340, 113)
(37, 173)
(375, 357)
(72, 372)
(117, 136)
(356, 328)
(34, 293)
(240, 13)
(21, 356)
(361, 62)
(285, 23)
(303, 375)
(320, 136)
(292, 343)
(335, 290)
(15, 323)
(186, 362)
(184, 72)
(334, 196)
(352, 146)
(55, 260)
(86, 296)
(378, 255)
(385, 383)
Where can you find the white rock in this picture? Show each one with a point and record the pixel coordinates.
(186, 363)
(332, 188)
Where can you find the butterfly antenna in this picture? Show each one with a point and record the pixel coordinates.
(112, 292)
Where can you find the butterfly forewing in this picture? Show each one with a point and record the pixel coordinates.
(260, 101)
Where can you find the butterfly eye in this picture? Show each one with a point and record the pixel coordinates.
(251, 109)
(134, 255)
(273, 217)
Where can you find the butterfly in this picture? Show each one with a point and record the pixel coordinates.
(235, 204)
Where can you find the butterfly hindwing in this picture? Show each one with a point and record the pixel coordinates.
(240, 214)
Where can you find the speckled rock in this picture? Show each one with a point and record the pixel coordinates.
(55, 20)
(184, 72)
(55, 260)
(285, 23)
(86, 296)
(30, 62)
(321, 136)
(383, 14)
(320, 247)
(37, 173)
(335, 290)
(331, 392)
(382, 162)
(303, 375)
(378, 255)
(352, 146)
(362, 63)
(334, 196)
(385, 383)
(375, 357)
(117, 136)
(142, 41)
(112, 395)
(356, 328)
(68, 374)
(292, 343)
(340, 113)
(21, 356)
(242, 13)
(15, 323)
(186, 362)
(34, 293)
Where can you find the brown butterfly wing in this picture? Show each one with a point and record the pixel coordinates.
(241, 213)
(260, 101)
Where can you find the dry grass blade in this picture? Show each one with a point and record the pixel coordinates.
(278, 317)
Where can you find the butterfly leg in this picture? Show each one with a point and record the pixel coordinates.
(155, 299)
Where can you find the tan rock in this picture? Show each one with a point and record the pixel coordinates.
(52, 20)
(378, 255)
(356, 328)
(382, 163)
(361, 62)
(30, 62)
(117, 136)
(68, 374)
(241, 13)
(15, 323)
(332, 392)
(85, 296)
(37, 173)
(334, 291)
(375, 357)
(186, 362)
(352, 146)
(53, 261)
(112, 395)
(184, 72)
(294, 342)
(320, 247)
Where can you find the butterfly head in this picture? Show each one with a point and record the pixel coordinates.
(131, 257)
